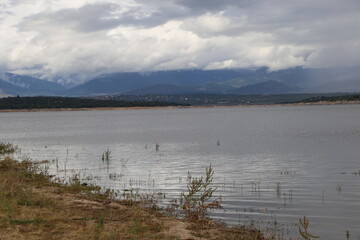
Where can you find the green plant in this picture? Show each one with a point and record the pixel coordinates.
(157, 147)
(106, 155)
(6, 147)
(347, 235)
(304, 232)
(73, 184)
(339, 188)
(24, 221)
(198, 198)
(99, 228)
(278, 190)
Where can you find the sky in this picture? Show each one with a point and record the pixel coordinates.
(74, 40)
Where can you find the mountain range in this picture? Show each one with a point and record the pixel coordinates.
(227, 81)
(13, 84)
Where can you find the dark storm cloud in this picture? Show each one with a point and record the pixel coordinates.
(89, 18)
(88, 37)
(103, 16)
(199, 6)
(147, 19)
(213, 5)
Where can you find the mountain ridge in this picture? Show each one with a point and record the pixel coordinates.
(15, 84)
(225, 81)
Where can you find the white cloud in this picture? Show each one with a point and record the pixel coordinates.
(208, 25)
(76, 40)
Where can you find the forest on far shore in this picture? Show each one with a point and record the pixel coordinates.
(72, 102)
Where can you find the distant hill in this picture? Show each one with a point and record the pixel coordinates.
(172, 89)
(8, 88)
(125, 82)
(25, 85)
(163, 89)
(340, 86)
(239, 82)
(217, 81)
(214, 88)
(268, 87)
(226, 81)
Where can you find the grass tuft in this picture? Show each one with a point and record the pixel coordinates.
(24, 221)
(6, 147)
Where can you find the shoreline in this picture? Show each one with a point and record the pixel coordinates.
(181, 107)
(34, 206)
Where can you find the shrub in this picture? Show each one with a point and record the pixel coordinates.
(6, 147)
(198, 199)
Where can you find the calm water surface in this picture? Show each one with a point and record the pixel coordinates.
(273, 165)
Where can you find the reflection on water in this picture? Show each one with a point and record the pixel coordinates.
(274, 164)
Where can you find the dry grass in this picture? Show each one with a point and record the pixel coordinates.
(33, 207)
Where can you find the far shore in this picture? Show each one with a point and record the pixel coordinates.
(180, 107)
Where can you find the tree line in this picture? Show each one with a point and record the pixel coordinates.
(72, 102)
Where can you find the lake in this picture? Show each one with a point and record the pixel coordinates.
(273, 165)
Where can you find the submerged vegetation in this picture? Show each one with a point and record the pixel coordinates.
(36, 205)
(303, 229)
(106, 155)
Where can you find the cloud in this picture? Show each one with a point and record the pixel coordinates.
(209, 25)
(214, 5)
(76, 40)
(200, 6)
(88, 18)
